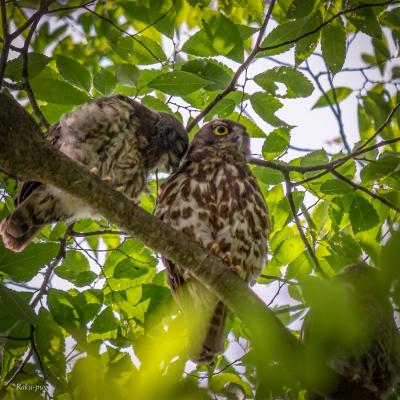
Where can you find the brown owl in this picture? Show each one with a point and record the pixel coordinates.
(368, 358)
(115, 137)
(214, 199)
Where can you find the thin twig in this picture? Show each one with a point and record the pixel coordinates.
(20, 368)
(310, 250)
(328, 21)
(365, 190)
(6, 43)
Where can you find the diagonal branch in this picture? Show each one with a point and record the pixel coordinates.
(327, 22)
(23, 154)
(310, 250)
(231, 87)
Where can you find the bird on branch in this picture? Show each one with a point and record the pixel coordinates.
(214, 199)
(116, 138)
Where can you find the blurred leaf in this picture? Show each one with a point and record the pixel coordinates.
(127, 74)
(268, 175)
(74, 72)
(380, 168)
(76, 269)
(57, 92)
(36, 63)
(289, 250)
(363, 215)
(199, 45)
(222, 33)
(22, 267)
(17, 305)
(105, 326)
(222, 380)
(365, 21)
(297, 85)
(333, 43)
(335, 186)
(104, 81)
(340, 92)
(178, 83)
(301, 8)
(211, 70)
(50, 344)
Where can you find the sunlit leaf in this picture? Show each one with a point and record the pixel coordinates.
(340, 93)
(363, 215)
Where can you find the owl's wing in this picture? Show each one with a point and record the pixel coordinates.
(28, 187)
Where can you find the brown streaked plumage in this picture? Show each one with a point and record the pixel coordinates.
(115, 137)
(214, 198)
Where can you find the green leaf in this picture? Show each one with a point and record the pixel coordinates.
(219, 381)
(335, 186)
(389, 258)
(252, 129)
(365, 21)
(128, 269)
(90, 302)
(74, 72)
(65, 312)
(268, 176)
(22, 267)
(17, 305)
(363, 215)
(381, 52)
(306, 46)
(160, 11)
(36, 63)
(76, 269)
(341, 94)
(50, 344)
(105, 326)
(289, 250)
(301, 8)
(276, 143)
(146, 51)
(297, 85)
(57, 92)
(285, 32)
(178, 83)
(265, 106)
(104, 81)
(156, 104)
(127, 74)
(333, 43)
(222, 33)
(380, 168)
(212, 70)
(199, 45)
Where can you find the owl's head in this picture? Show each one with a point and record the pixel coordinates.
(225, 134)
(171, 141)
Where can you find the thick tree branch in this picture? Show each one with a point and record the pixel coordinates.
(25, 153)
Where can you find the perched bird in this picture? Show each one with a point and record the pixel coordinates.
(214, 199)
(367, 355)
(116, 138)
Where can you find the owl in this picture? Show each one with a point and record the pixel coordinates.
(114, 137)
(369, 359)
(214, 199)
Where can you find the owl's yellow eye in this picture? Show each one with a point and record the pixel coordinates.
(221, 130)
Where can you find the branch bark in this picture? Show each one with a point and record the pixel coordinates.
(27, 155)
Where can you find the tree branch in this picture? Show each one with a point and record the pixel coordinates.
(24, 154)
(231, 87)
(328, 21)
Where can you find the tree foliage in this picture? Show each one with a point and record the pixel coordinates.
(85, 310)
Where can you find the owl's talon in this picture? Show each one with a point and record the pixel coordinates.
(106, 178)
(237, 269)
(228, 258)
(94, 170)
(120, 189)
(132, 199)
(215, 248)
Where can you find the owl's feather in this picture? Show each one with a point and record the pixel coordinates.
(214, 199)
(115, 137)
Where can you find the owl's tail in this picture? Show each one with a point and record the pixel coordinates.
(213, 343)
(19, 228)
